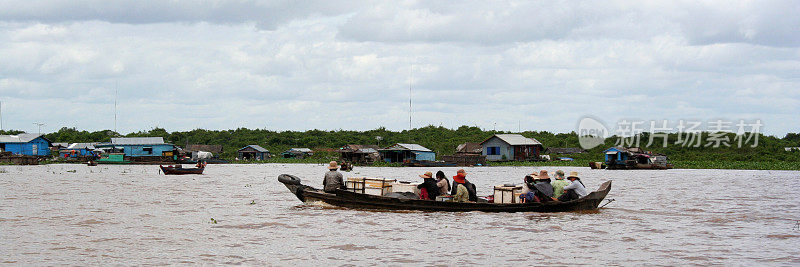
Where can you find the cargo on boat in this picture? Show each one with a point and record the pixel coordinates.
(359, 200)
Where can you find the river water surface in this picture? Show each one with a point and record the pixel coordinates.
(240, 214)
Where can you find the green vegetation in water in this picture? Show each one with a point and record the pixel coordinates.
(213, 221)
(736, 165)
(574, 163)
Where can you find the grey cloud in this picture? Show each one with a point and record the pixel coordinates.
(475, 63)
(770, 23)
(266, 14)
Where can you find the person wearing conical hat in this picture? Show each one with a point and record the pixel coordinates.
(463, 190)
(559, 184)
(574, 190)
(428, 188)
(333, 179)
(543, 185)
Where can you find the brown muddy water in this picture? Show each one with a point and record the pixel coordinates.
(132, 215)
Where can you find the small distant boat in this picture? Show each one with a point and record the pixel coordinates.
(621, 158)
(177, 170)
(346, 167)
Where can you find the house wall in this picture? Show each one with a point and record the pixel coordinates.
(78, 152)
(256, 155)
(620, 156)
(138, 150)
(505, 149)
(36, 147)
(425, 155)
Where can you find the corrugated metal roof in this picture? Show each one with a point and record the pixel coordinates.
(257, 148)
(20, 138)
(367, 150)
(208, 148)
(469, 148)
(137, 141)
(302, 149)
(81, 146)
(412, 147)
(515, 140)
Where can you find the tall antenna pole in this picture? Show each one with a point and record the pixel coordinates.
(116, 94)
(1, 115)
(410, 81)
(40, 126)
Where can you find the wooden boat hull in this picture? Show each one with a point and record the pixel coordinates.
(347, 199)
(180, 171)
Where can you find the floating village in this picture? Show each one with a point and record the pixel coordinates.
(32, 149)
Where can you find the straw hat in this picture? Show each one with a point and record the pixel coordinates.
(333, 166)
(426, 175)
(573, 175)
(543, 175)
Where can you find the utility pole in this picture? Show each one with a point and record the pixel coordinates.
(1, 115)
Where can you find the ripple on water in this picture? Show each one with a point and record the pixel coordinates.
(132, 215)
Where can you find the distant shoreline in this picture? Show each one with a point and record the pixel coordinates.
(680, 164)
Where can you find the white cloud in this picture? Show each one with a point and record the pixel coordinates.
(329, 65)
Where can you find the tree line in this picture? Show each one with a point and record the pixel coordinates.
(441, 140)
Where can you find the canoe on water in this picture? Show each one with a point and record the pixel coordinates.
(170, 170)
(347, 199)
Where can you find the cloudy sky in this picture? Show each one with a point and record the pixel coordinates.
(297, 65)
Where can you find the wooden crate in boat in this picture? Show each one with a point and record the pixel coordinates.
(507, 194)
(372, 186)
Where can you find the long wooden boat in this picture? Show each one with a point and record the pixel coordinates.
(170, 170)
(343, 198)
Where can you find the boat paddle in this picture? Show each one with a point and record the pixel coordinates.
(609, 202)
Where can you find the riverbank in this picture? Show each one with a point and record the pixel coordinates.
(679, 164)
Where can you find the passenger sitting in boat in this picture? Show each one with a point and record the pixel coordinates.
(543, 185)
(574, 190)
(528, 193)
(559, 184)
(461, 185)
(428, 189)
(443, 183)
(333, 179)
